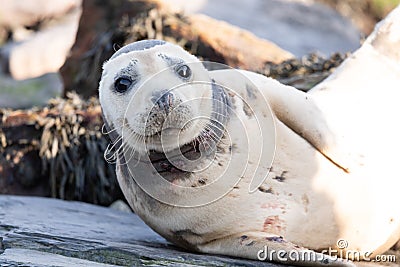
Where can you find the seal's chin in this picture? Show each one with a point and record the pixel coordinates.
(168, 154)
(167, 139)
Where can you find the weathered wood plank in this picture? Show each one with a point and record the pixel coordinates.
(48, 232)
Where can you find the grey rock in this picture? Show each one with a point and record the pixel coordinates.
(45, 232)
(29, 92)
(300, 27)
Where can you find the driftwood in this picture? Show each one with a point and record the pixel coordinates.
(39, 232)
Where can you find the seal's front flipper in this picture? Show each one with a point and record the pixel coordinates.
(349, 116)
(269, 247)
(296, 109)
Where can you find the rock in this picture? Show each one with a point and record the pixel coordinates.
(44, 49)
(238, 47)
(39, 35)
(45, 232)
(184, 5)
(14, 14)
(29, 59)
(365, 14)
(29, 92)
(27, 257)
(298, 26)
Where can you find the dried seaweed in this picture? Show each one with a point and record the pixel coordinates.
(70, 146)
(303, 73)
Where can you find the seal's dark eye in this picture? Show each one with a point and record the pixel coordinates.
(184, 71)
(122, 85)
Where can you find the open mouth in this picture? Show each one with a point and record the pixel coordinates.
(187, 158)
(170, 131)
(163, 164)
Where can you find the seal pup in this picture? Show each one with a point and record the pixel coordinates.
(164, 110)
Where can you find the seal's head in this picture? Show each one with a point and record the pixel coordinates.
(155, 95)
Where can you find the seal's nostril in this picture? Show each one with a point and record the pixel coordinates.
(165, 102)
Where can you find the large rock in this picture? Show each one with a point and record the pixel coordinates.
(237, 47)
(298, 26)
(30, 92)
(44, 48)
(15, 14)
(44, 232)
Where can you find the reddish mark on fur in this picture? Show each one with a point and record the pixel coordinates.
(234, 195)
(274, 225)
(175, 182)
(272, 205)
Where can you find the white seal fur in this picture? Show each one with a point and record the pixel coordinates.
(321, 188)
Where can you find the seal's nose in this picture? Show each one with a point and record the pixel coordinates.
(165, 101)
